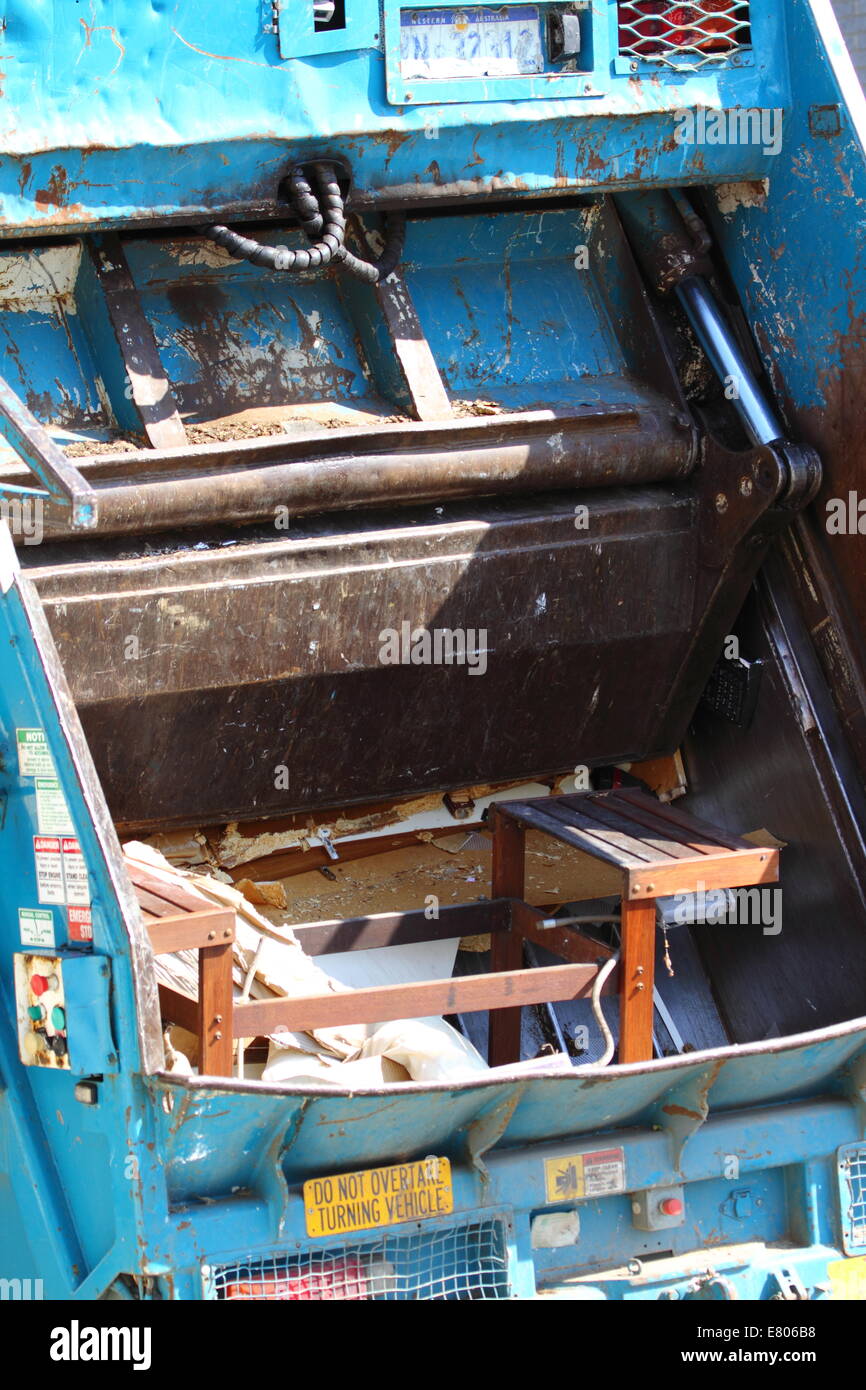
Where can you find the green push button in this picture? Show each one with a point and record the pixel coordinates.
(58, 1017)
(36, 1012)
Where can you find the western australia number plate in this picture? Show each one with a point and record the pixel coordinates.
(476, 42)
(378, 1197)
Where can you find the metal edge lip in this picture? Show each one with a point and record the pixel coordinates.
(790, 1043)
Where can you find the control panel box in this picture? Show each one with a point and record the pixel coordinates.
(62, 1004)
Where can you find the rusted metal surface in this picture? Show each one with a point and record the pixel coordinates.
(398, 464)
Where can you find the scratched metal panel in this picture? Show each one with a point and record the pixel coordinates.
(136, 112)
(796, 250)
(265, 655)
(338, 1132)
(45, 354)
(232, 336)
(505, 310)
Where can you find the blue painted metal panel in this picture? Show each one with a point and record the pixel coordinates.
(803, 291)
(157, 111)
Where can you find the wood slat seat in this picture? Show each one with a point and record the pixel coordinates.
(661, 852)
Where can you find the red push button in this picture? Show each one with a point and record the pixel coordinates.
(671, 1206)
(38, 984)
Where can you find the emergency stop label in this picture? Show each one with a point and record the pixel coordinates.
(80, 924)
(34, 757)
(36, 926)
(378, 1197)
(597, 1174)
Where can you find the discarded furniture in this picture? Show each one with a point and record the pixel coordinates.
(660, 850)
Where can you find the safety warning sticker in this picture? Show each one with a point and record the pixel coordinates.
(76, 882)
(52, 812)
(80, 924)
(49, 869)
(36, 925)
(34, 758)
(597, 1174)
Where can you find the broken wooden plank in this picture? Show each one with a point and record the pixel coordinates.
(463, 994)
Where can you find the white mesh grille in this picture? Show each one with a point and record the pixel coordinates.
(461, 1263)
(853, 1174)
(684, 36)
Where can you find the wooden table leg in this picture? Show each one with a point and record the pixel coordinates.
(638, 970)
(506, 951)
(215, 1010)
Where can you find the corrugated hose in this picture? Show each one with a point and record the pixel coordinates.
(322, 216)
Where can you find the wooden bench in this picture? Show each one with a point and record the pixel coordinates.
(660, 851)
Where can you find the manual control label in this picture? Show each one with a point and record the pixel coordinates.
(36, 925)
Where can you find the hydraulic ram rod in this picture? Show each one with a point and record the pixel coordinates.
(713, 332)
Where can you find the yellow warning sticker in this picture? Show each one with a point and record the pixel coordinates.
(597, 1174)
(848, 1278)
(378, 1197)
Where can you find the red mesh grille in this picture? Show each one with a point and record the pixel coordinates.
(682, 35)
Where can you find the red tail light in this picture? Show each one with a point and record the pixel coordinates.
(653, 28)
(721, 32)
(339, 1279)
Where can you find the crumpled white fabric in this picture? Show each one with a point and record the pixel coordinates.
(429, 1048)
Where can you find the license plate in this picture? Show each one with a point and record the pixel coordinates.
(378, 1197)
(470, 43)
(848, 1278)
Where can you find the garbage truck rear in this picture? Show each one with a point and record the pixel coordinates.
(433, 698)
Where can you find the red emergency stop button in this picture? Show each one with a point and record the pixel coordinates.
(38, 984)
(671, 1206)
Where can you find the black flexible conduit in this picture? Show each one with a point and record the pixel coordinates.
(323, 218)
